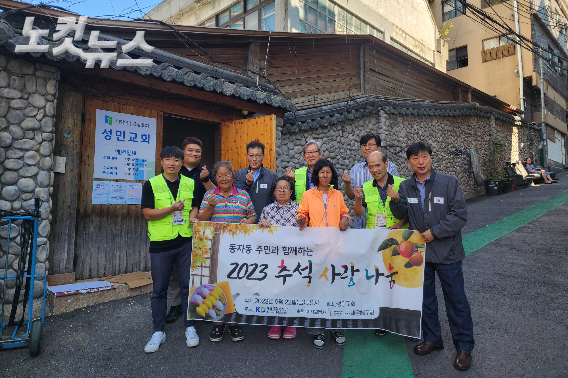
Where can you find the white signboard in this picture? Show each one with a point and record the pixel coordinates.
(125, 146)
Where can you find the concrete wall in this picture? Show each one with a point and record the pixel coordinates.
(340, 143)
(496, 77)
(28, 93)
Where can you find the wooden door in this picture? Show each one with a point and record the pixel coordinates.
(110, 239)
(237, 134)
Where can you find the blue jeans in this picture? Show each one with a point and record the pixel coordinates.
(162, 263)
(457, 306)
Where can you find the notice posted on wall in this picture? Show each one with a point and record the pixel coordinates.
(116, 193)
(101, 191)
(133, 193)
(125, 146)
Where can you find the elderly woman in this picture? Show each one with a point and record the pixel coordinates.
(323, 206)
(283, 212)
(226, 204)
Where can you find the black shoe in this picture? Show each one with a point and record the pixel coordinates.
(381, 332)
(217, 332)
(338, 337)
(175, 312)
(236, 333)
(319, 340)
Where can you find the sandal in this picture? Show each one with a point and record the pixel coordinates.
(236, 333)
(216, 334)
(289, 333)
(274, 332)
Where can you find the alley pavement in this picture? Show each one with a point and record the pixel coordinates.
(516, 286)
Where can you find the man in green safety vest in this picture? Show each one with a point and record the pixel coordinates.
(169, 206)
(376, 195)
(302, 177)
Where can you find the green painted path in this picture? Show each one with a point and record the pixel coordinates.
(360, 354)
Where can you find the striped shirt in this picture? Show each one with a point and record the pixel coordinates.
(231, 209)
(359, 175)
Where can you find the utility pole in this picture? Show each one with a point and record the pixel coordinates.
(544, 162)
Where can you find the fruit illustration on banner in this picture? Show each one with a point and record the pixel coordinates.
(403, 253)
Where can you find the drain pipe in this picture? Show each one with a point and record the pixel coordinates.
(520, 57)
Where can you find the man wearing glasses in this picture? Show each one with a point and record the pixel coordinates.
(360, 174)
(302, 177)
(256, 180)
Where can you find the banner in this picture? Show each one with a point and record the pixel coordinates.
(318, 277)
(125, 146)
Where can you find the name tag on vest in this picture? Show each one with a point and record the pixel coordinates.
(177, 218)
(412, 200)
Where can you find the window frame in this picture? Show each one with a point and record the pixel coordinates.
(454, 11)
(241, 17)
(448, 62)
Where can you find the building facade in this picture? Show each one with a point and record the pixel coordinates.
(411, 28)
(495, 63)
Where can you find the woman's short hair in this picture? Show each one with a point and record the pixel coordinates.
(226, 164)
(290, 182)
(318, 167)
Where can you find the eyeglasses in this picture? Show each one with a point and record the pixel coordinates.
(219, 177)
(369, 145)
(311, 152)
(282, 188)
(255, 156)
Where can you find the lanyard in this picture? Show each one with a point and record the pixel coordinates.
(324, 210)
(169, 191)
(381, 205)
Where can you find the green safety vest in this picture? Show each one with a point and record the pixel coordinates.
(374, 203)
(163, 229)
(300, 183)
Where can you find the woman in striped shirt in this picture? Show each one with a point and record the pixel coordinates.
(226, 204)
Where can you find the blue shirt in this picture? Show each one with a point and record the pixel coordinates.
(256, 175)
(359, 175)
(422, 189)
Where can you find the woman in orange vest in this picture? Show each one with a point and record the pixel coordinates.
(323, 206)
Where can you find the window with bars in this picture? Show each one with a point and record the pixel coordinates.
(457, 58)
(489, 3)
(248, 14)
(324, 16)
(452, 8)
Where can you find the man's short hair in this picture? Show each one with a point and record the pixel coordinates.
(416, 148)
(383, 156)
(171, 151)
(191, 140)
(367, 137)
(310, 142)
(255, 144)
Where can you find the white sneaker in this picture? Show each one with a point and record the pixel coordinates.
(154, 344)
(191, 338)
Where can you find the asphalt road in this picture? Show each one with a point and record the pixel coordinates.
(516, 286)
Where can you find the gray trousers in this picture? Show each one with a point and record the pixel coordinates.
(174, 293)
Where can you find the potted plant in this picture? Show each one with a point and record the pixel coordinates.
(494, 168)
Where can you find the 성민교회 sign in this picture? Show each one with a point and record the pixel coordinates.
(318, 277)
(125, 146)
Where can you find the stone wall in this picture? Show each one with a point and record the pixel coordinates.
(340, 142)
(28, 93)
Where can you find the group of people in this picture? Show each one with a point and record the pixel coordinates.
(309, 196)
